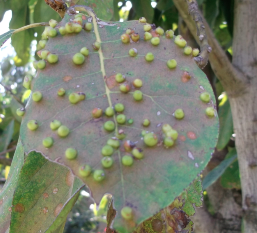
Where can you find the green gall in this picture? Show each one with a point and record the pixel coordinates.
(172, 63)
(146, 122)
(51, 32)
(172, 134)
(109, 126)
(74, 98)
(88, 26)
(35, 64)
(78, 20)
(119, 78)
(84, 51)
(42, 43)
(129, 31)
(107, 162)
(169, 34)
(27, 81)
(82, 96)
(121, 119)
(196, 52)
(159, 30)
(188, 50)
(97, 112)
(142, 20)
(138, 95)
(137, 83)
(77, 28)
(69, 27)
(61, 92)
(127, 160)
(107, 150)
(180, 41)
(113, 142)
(166, 128)
(210, 112)
(20, 112)
(52, 58)
(150, 139)
(37, 96)
(125, 88)
(71, 153)
(63, 131)
(99, 175)
(149, 57)
(109, 112)
(205, 97)
(41, 64)
(96, 46)
(44, 54)
(147, 27)
(168, 142)
(44, 35)
(32, 125)
(144, 132)
(120, 135)
(125, 38)
(119, 107)
(130, 121)
(148, 36)
(137, 153)
(55, 124)
(126, 213)
(48, 142)
(53, 23)
(155, 41)
(85, 170)
(179, 114)
(78, 15)
(133, 52)
(78, 59)
(135, 37)
(62, 31)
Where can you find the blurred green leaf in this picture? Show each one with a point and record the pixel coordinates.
(4, 37)
(6, 66)
(164, 5)
(4, 6)
(211, 11)
(227, 8)
(226, 125)
(6, 136)
(14, 106)
(143, 8)
(217, 172)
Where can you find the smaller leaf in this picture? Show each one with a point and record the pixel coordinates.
(6, 136)
(4, 37)
(217, 172)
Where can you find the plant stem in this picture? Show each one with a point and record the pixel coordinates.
(30, 26)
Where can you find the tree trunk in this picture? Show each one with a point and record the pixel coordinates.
(244, 107)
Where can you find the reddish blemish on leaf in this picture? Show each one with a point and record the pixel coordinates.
(67, 78)
(182, 138)
(58, 209)
(69, 178)
(111, 82)
(185, 77)
(45, 195)
(55, 190)
(10, 209)
(191, 135)
(1, 202)
(154, 33)
(45, 210)
(19, 208)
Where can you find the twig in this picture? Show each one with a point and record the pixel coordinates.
(30, 26)
(8, 150)
(233, 80)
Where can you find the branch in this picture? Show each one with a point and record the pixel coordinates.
(233, 80)
(30, 26)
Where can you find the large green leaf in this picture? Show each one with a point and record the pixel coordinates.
(153, 182)
(103, 9)
(6, 193)
(226, 125)
(217, 172)
(43, 190)
(143, 8)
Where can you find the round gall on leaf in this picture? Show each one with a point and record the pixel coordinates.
(125, 38)
(55, 124)
(62, 31)
(149, 57)
(41, 64)
(48, 142)
(107, 150)
(147, 27)
(135, 37)
(52, 58)
(119, 78)
(210, 112)
(196, 52)
(160, 31)
(107, 162)
(188, 50)
(127, 160)
(53, 23)
(85, 170)
(180, 41)
(127, 213)
(155, 41)
(125, 88)
(146, 122)
(133, 52)
(63, 131)
(168, 142)
(109, 112)
(115, 143)
(84, 51)
(99, 175)
(138, 95)
(37, 96)
(61, 92)
(109, 126)
(32, 125)
(121, 119)
(148, 36)
(119, 107)
(142, 20)
(97, 112)
(20, 111)
(88, 26)
(96, 46)
(78, 59)
(137, 83)
(169, 34)
(172, 63)
(179, 114)
(151, 139)
(205, 97)
(137, 153)
(71, 153)
(74, 98)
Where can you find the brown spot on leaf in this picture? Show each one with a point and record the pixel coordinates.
(45, 195)
(1, 202)
(19, 208)
(45, 210)
(111, 82)
(58, 209)
(182, 138)
(69, 178)
(191, 135)
(185, 77)
(67, 78)
(55, 190)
